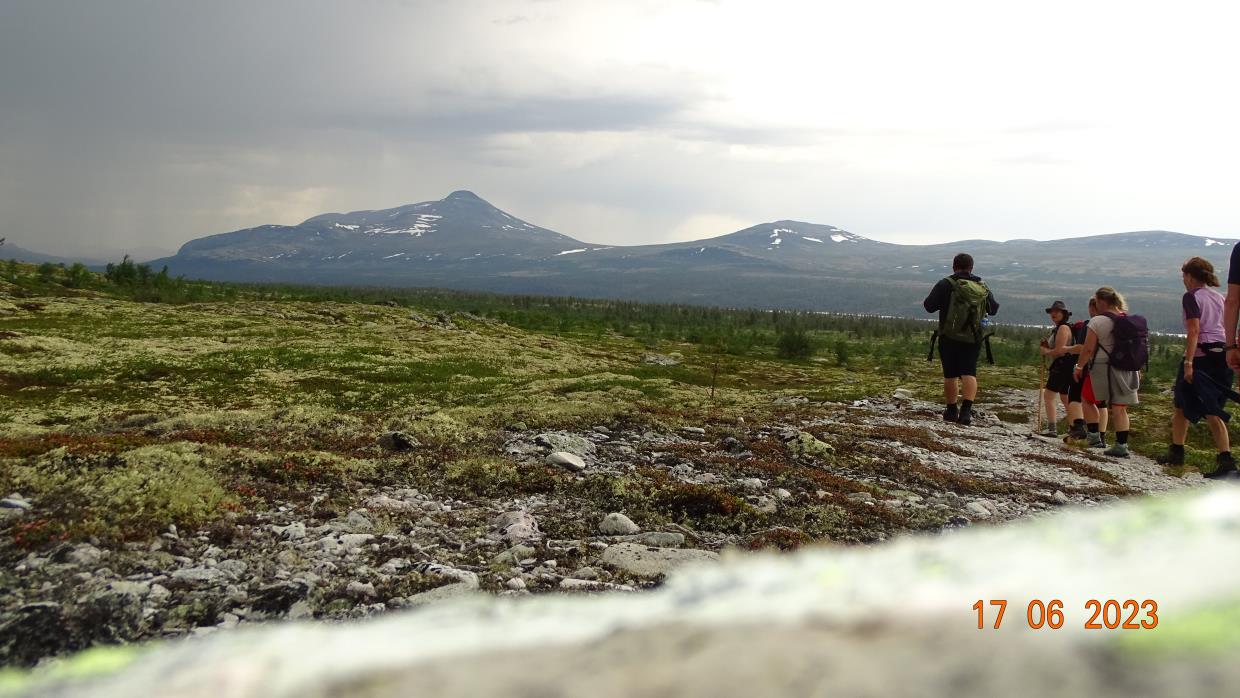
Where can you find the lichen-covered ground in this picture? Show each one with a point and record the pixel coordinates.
(183, 469)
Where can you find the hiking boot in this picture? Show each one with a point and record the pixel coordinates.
(1095, 440)
(1117, 451)
(1077, 433)
(1049, 429)
(1226, 469)
(952, 413)
(966, 416)
(1171, 457)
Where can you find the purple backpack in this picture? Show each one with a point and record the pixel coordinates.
(1132, 350)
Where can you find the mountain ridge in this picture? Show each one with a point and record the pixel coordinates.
(464, 242)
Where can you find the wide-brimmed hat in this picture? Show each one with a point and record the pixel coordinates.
(1059, 305)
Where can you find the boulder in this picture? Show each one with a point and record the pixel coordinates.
(617, 524)
(649, 562)
(567, 461)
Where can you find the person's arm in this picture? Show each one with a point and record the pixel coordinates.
(1193, 325)
(1087, 354)
(934, 301)
(1231, 309)
(992, 305)
(1062, 337)
(1231, 313)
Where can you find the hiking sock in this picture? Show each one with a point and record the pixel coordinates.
(1093, 427)
(1121, 437)
(1078, 423)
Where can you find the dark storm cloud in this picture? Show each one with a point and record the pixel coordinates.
(121, 122)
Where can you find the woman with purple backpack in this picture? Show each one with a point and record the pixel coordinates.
(1203, 385)
(1114, 387)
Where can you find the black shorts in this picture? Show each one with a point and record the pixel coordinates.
(1075, 393)
(1214, 365)
(1059, 379)
(959, 359)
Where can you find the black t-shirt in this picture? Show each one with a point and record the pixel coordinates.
(1233, 273)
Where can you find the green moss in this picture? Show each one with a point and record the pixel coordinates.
(1212, 632)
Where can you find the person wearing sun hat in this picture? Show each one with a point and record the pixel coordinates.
(1056, 347)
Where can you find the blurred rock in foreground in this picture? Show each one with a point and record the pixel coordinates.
(889, 620)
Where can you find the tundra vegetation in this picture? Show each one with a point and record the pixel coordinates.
(134, 405)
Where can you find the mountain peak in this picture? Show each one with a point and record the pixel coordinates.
(464, 195)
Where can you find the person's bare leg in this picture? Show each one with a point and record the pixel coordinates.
(1104, 416)
(1179, 428)
(950, 391)
(1122, 422)
(1218, 429)
(1090, 412)
(969, 383)
(1048, 408)
(1076, 410)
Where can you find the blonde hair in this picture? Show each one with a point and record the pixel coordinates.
(1111, 297)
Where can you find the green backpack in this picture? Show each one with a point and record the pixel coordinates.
(965, 311)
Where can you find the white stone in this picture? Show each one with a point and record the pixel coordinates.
(566, 460)
(617, 524)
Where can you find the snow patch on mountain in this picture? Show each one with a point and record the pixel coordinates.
(570, 251)
(806, 237)
(346, 227)
(1210, 242)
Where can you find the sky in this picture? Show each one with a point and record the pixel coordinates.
(142, 124)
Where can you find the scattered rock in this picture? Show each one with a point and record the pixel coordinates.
(398, 441)
(806, 445)
(570, 584)
(977, 510)
(751, 483)
(516, 527)
(516, 584)
(15, 502)
(566, 460)
(200, 576)
(85, 555)
(649, 562)
(656, 539)
(660, 359)
(558, 441)
(360, 589)
(293, 531)
(514, 555)
(617, 524)
(1060, 497)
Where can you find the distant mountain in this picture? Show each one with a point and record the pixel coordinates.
(464, 242)
(11, 251)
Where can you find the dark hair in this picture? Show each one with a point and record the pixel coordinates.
(962, 262)
(1201, 270)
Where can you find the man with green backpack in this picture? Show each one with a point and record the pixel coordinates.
(963, 303)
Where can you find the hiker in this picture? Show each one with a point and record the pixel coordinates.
(963, 303)
(1231, 309)
(1114, 387)
(1203, 383)
(1089, 422)
(1059, 380)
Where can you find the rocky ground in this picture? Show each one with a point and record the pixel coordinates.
(612, 508)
